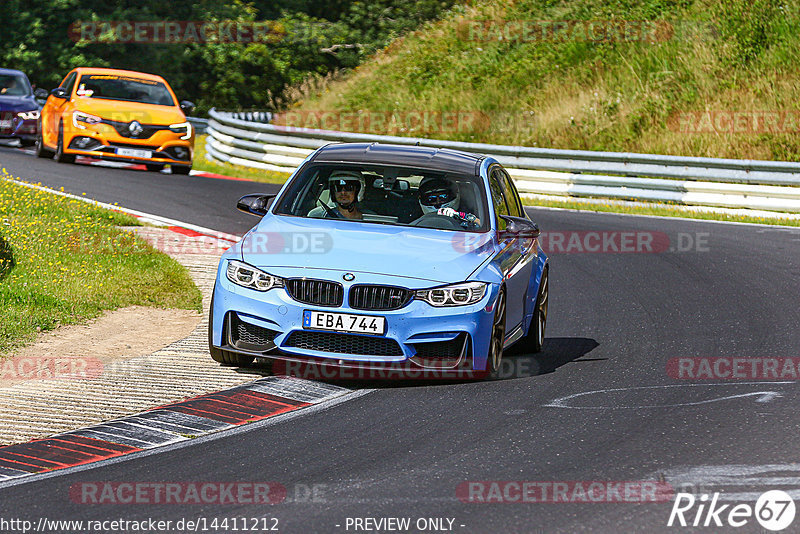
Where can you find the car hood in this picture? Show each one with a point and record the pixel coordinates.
(121, 111)
(18, 103)
(439, 256)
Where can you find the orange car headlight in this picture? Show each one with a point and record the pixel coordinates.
(184, 128)
(79, 117)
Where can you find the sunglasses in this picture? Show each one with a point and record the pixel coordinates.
(436, 198)
(345, 187)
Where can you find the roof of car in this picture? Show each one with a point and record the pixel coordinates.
(11, 71)
(118, 72)
(440, 159)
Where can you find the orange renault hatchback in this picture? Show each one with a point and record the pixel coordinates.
(116, 115)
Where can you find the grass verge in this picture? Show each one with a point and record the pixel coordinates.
(662, 211)
(63, 261)
(671, 91)
(236, 171)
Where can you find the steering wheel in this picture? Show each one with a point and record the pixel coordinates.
(434, 220)
(333, 214)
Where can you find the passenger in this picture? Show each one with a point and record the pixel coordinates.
(346, 190)
(440, 196)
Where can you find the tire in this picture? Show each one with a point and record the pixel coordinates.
(495, 357)
(225, 357)
(60, 156)
(41, 150)
(181, 169)
(154, 167)
(534, 340)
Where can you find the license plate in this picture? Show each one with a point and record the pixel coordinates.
(5, 124)
(344, 322)
(134, 153)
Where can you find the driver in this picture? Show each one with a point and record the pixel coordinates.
(440, 196)
(347, 190)
(10, 88)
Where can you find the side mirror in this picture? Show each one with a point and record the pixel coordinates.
(40, 93)
(519, 227)
(187, 107)
(59, 92)
(255, 204)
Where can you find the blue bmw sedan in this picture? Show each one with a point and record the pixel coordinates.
(376, 255)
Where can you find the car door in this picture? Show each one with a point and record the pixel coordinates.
(510, 255)
(527, 247)
(54, 110)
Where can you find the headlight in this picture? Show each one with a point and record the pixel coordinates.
(248, 276)
(80, 116)
(184, 128)
(29, 115)
(455, 295)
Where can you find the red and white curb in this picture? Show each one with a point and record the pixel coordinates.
(165, 425)
(177, 422)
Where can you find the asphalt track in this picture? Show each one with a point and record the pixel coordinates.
(616, 320)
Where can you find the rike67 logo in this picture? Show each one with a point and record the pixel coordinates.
(774, 510)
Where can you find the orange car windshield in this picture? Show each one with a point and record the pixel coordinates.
(129, 89)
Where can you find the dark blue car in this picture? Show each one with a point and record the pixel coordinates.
(19, 110)
(383, 255)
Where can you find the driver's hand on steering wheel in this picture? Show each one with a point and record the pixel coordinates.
(450, 212)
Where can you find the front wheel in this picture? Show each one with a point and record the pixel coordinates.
(534, 341)
(495, 357)
(60, 156)
(41, 150)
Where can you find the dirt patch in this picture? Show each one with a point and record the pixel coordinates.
(116, 335)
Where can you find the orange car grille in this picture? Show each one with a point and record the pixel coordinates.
(145, 131)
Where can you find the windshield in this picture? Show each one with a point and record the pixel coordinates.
(14, 85)
(113, 87)
(387, 195)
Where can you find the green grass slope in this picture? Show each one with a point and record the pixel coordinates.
(717, 78)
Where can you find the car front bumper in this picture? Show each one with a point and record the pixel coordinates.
(417, 335)
(23, 129)
(103, 142)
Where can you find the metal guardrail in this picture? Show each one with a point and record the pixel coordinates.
(200, 125)
(729, 183)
